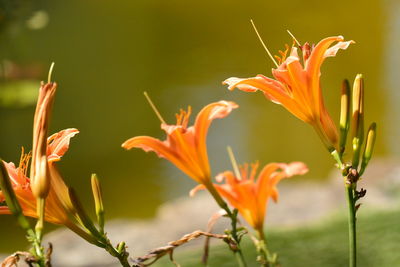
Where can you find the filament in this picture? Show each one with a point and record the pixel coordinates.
(294, 38)
(234, 163)
(50, 72)
(263, 44)
(154, 107)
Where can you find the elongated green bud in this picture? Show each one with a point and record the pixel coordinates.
(11, 199)
(369, 147)
(85, 220)
(358, 118)
(121, 247)
(344, 114)
(98, 201)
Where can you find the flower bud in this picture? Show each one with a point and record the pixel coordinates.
(358, 118)
(121, 247)
(40, 181)
(7, 191)
(344, 114)
(98, 200)
(84, 219)
(40, 184)
(369, 147)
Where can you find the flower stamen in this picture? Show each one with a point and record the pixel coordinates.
(158, 114)
(182, 118)
(263, 44)
(234, 163)
(294, 38)
(24, 161)
(50, 72)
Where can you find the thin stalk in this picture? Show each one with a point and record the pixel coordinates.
(233, 216)
(351, 204)
(37, 249)
(38, 234)
(263, 250)
(352, 227)
(40, 204)
(121, 255)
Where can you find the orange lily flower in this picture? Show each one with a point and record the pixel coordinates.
(297, 86)
(250, 195)
(186, 146)
(55, 211)
(45, 182)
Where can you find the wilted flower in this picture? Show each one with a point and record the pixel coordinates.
(250, 195)
(297, 85)
(186, 146)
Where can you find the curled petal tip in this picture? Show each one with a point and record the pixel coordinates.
(58, 143)
(220, 177)
(129, 144)
(239, 83)
(231, 82)
(193, 192)
(296, 168)
(124, 145)
(229, 104)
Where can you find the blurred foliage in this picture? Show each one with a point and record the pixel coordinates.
(322, 244)
(18, 94)
(13, 13)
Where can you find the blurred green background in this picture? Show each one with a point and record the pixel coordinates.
(108, 52)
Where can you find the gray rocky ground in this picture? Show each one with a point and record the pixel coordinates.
(300, 203)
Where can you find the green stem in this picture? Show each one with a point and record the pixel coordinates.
(262, 248)
(352, 227)
(122, 256)
(37, 249)
(40, 204)
(351, 204)
(103, 242)
(233, 216)
(240, 259)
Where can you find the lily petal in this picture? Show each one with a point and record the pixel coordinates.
(317, 57)
(217, 110)
(58, 144)
(250, 196)
(148, 143)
